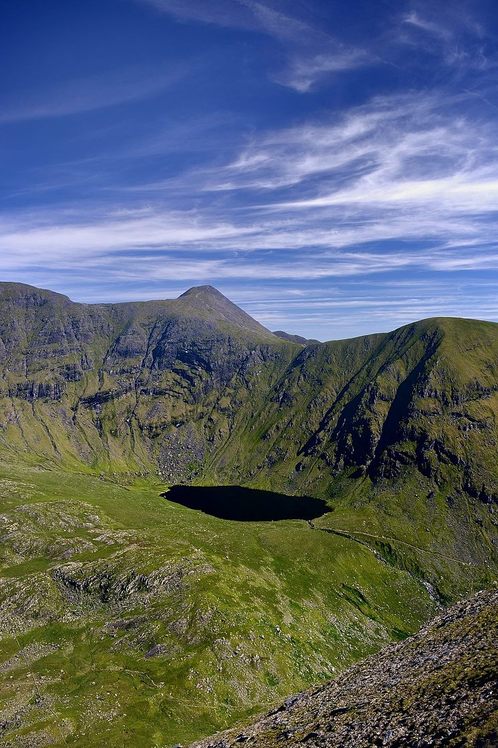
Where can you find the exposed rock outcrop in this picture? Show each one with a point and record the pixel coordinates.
(437, 688)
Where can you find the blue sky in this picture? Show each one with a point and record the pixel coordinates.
(331, 166)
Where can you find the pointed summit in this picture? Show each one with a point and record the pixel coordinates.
(208, 299)
(203, 292)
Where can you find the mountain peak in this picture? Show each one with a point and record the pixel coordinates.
(9, 289)
(204, 291)
(208, 299)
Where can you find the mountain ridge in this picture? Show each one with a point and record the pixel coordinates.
(194, 390)
(103, 407)
(202, 297)
(148, 337)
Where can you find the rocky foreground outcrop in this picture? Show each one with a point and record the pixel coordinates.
(437, 688)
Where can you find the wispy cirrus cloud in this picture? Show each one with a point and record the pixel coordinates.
(108, 89)
(79, 238)
(154, 244)
(400, 169)
(383, 135)
(303, 72)
(413, 18)
(402, 166)
(312, 52)
(276, 19)
(226, 13)
(450, 33)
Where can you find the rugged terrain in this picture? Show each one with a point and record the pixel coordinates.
(134, 618)
(438, 688)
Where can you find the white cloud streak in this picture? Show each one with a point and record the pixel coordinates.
(109, 89)
(158, 247)
(413, 18)
(397, 171)
(304, 72)
(312, 53)
(407, 167)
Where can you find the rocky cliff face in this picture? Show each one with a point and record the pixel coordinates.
(128, 387)
(437, 688)
(145, 383)
(196, 390)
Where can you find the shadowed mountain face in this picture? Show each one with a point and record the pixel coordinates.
(246, 504)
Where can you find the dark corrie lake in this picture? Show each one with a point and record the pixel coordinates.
(246, 504)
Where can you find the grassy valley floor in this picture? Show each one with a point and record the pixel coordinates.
(131, 620)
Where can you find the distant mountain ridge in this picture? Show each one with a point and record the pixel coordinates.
(147, 619)
(194, 389)
(294, 338)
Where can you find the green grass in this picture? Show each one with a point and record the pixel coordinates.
(396, 431)
(262, 609)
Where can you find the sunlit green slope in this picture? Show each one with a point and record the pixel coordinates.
(127, 619)
(130, 618)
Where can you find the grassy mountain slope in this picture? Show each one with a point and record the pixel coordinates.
(400, 432)
(143, 619)
(129, 620)
(437, 688)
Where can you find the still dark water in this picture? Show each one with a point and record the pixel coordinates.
(246, 504)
